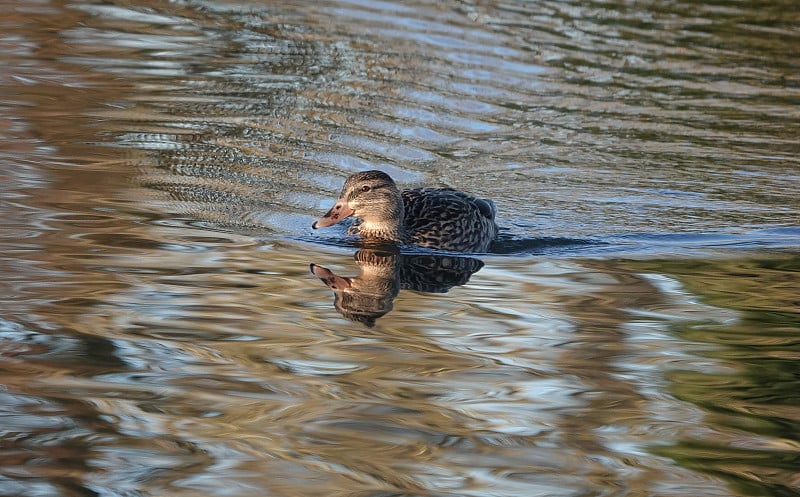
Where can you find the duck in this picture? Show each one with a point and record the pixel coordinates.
(438, 218)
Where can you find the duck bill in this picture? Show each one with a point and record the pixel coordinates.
(334, 282)
(337, 213)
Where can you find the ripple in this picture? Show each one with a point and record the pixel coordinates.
(557, 92)
(633, 330)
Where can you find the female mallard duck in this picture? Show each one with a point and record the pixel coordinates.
(440, 218)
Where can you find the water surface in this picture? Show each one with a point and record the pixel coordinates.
(632, 332)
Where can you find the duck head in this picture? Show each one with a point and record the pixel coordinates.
(373, 197)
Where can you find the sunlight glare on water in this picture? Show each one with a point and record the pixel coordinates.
(167, 326)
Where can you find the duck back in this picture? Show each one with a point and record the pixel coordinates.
(448, 219)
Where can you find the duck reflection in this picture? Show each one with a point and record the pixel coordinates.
(384, 272)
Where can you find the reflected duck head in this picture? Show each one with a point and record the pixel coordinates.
(368, 296)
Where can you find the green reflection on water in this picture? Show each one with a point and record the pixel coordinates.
(752, 408)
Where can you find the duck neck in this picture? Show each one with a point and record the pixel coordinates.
(386, 222)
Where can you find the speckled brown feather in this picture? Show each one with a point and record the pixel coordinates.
(448, 219)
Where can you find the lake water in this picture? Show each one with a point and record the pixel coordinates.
(634, 331)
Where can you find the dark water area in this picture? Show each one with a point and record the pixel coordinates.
(170, 324)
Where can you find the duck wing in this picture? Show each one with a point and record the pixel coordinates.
(449, 219)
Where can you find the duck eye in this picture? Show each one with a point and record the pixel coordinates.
(365, 188)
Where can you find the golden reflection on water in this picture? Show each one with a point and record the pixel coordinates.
(542, 376)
